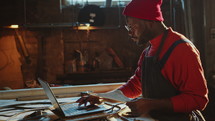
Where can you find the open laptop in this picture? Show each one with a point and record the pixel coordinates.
(68, 110)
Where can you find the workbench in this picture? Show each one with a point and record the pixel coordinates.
(23, 104)
(11, 110)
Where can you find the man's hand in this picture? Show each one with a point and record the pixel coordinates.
(89, 98)
(141, 106)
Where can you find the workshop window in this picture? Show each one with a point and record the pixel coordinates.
(102, 3)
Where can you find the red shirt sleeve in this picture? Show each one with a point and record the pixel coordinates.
(133, 87)
(185, 72)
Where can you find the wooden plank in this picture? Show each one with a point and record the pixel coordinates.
(15, 94)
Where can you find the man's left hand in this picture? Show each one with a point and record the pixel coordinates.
(140, 106)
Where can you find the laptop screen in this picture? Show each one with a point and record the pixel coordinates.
(50, 94)
(66, 109)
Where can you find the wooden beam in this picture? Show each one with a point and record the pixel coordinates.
(61, 91)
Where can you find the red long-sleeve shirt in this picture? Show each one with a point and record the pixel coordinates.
(183, 69)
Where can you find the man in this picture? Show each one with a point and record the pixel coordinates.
(169, 75)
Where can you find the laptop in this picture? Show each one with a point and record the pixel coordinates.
(71, 109)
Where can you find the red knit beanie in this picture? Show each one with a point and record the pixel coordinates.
(144, 9)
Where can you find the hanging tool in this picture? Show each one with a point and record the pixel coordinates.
(23, 47)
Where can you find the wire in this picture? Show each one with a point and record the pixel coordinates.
(113, 106)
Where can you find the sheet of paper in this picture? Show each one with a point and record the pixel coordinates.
(115, 95)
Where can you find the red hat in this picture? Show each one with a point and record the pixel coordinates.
(144, 9)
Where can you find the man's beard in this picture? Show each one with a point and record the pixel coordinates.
(142, 42)
(144, 39)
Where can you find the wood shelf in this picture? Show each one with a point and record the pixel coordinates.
(94, 77)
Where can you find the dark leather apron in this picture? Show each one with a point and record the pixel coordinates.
(155, 86)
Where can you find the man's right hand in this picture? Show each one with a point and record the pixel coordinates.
(89, 98)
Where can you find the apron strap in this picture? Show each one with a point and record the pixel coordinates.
(169, 51)
(155, 58)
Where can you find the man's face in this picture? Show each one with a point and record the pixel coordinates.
(139, 33)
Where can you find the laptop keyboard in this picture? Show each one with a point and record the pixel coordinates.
(73, 109)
